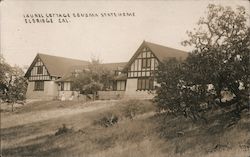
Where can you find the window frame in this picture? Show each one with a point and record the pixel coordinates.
(66, 86)
(39, 86)
(145, 83)
(39, 69)
(62, 86)
(120, 84)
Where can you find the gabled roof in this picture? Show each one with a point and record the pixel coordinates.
(57, 66)
(160, 52)
(163, 52)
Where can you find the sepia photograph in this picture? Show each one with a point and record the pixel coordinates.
(127, 78)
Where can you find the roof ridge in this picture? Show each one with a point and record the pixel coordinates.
(146, 42)
(61, 57)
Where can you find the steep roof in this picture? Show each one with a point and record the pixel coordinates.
(161, 52)
(57, 66)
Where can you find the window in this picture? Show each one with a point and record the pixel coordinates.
(39, 86)
(120, 85)
(65, 86)
(146, 62)
(39, 69)
(62, 86)
(145, 84)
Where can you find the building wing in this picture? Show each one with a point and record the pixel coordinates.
(159, 51)
(55, 65)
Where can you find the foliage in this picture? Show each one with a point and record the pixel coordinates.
(218, 64)
(107, 120)
(131, 111)
(13, 83)
(5, 71)
(63, 130)
(126, 109)
(136, 107)
(95, 77)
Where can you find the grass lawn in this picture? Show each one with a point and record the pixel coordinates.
(30, 131)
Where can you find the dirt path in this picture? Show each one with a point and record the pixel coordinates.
(31, 117)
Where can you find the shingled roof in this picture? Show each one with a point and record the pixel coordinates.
(57, 66)
(61, 66)
(161, 52)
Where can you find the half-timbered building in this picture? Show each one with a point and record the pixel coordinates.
(43, 73)
(142, 66)
(50, 77)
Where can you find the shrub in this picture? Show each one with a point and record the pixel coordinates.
(132, 109)
(107, 120)
(128, 109)
(63, 130)
(136, 107)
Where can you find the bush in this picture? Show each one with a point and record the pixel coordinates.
(136, 107)
(128, 109)
(132, 109)
(63, 130)
(107, 120)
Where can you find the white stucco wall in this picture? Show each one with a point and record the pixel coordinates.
(50, 91)
(131, 91)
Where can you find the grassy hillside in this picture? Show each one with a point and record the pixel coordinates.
(117, 128)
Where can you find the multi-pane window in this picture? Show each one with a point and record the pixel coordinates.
(39, 86)
(40, 70)
(65, 86)
(146, 62)
(145, 84)
(120, 85)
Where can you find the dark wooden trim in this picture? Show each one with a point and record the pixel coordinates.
(45, 66)
(39, 77)
(28, 73)
(137, 52)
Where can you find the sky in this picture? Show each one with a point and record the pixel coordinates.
(111, 39)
